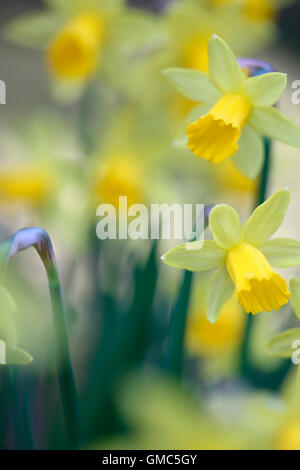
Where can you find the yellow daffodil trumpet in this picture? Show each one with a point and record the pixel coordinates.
(215, 136)
(258, 286)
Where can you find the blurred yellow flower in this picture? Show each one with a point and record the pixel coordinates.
(289, 436)
(121, 175)
(204, 338)
(260, 10)
(195, 53)
(75, 52)
(253, 9)
(27, 184)
(229, 177)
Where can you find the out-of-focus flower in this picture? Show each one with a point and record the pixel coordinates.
(72, 36)
(229, 177)
(75, 52)
(29, 185)
(85, 37)
(162, 415)
(237, 110)
(242, 257)
(191, 24)
(203, 338)
(120, 175)
(255, 10)
(288, 437)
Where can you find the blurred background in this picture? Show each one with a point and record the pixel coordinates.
(77, 134)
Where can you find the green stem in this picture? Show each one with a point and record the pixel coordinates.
(40, 240)
(86, 106)
(178, 324)
(18, 401)
(262, 189)
(261, 196)
(64, 368)
(179, 313)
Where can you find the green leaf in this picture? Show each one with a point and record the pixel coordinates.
(250, 156)
(266, 89)
(295, 296)
(8, 331)
(282, 252)
(272, 123)
(4, 252)
(225, 225)
(34, 29)
(17, 357)
(224, 70)
(193, 84)
(220, 290)
(266, 218)
(196, 256)
(282, 344)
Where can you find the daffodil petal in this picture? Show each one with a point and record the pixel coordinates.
(295, 296)
(266, 218)
(266, 89)
(225, 225)
(272, 123)
(250, 155)
(224, 70)
(282, 252)
(220, 290)
(193, 84)
(282, 344)
(196, 256)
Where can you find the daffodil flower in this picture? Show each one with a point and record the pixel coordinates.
(31, 184)
(84, 37)
(205, 339)
(119, 176)
(235, 112)
(74, 53)
(240, 259)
